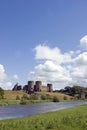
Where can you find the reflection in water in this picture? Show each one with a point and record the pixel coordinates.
(7, 112)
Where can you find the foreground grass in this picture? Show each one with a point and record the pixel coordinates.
(68, 119)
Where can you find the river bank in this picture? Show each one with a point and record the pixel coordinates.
(19, 97)
(16, 111)
(68, 119)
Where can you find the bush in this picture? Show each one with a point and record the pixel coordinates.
(65, 97)
(71, 98)
(55, 99)
(1, 93)
(49, 97)
(46, 97)
(23, 101)
(43, 97)
(33, 97)
(17, 97)
(25, 96)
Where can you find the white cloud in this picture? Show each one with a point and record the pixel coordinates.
(15, 77)
(57, 67)
(81, 59)
(7, 85)
(4, 80)
(2, 73)
(44, 52)
(79, 70)
(68, 68)
(51, 72)
(83, 42)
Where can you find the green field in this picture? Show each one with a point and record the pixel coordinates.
(8, 94)
(68, 119)
(20, 97)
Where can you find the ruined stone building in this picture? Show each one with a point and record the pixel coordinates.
(17, 87)
(32, 87)
(82, 95)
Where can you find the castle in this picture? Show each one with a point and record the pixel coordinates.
(32, 87)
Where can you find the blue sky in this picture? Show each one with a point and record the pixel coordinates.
(43, 40)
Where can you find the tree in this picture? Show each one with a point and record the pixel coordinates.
(67, 89)
(76, 89)
(1, 93)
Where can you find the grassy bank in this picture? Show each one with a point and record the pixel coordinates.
(11, 95)
(69, 119)
(19, 97)
(8, 94)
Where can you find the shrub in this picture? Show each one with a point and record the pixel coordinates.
(43, 97)
(49, 97)
(1, 93)
(23, 101)
(65, 97)
(71, 98)
(25, 96)
(17, 97)
(55, 99)
(33, 97)
(46, 97)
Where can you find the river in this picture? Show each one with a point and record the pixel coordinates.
(15, 111)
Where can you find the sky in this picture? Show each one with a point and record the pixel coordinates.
(43, 40)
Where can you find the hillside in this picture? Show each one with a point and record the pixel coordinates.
(11, 95)
(8, 94)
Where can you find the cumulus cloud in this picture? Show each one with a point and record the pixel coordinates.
(4, 82)
(2, 73)
(44, 52)
(51, 72)
(83, 42)
(7, 85)
(67, 68)
(15, 77)
(81, 59)
(79, 72)
(79, 69)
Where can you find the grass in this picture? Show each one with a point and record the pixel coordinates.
(60, 96)
(6, 102)
(16, 97)
(8, 94)
(10, 97)
(68, 119)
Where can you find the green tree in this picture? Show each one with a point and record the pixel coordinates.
(55, 99)
(76, 89)
(67, 89)
(1, 93)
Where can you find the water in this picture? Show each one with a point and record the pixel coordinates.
(7, 112)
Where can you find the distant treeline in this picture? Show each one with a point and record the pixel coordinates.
(74, 91)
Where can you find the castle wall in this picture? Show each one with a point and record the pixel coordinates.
(30, 85)
(38, 85)
(49, 87)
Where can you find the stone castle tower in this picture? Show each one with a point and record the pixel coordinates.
(37, 87)
(49, 87)
(30, 85)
